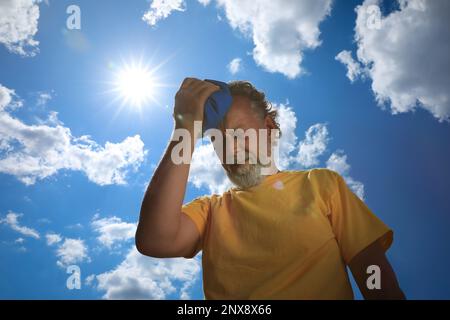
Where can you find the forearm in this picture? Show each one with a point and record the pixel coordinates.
(163, 199)
(388, 286)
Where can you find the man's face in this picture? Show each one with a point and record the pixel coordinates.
(244, 172)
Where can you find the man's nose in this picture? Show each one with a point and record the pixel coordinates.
(239, 145)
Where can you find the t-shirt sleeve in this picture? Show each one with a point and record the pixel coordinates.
(198, 210)
(353, 223)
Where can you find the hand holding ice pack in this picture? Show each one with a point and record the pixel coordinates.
(216, 106)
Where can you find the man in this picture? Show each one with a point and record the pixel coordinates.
(282, 235)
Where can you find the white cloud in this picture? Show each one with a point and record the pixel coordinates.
(72, 251)
(407, 54)
(313, 146)
(288, 141)
(12, 220)
(89, 279)
(112, 230)
(281, 30)
(53, 238)
(204, 2)
(354, 69)
(235, 65)
(161, 9)
(141, 277)
(34, 152)
(338, 162)
(43, 98)
(19, 25)
(19, 240)
(53, 119)
(8, 98)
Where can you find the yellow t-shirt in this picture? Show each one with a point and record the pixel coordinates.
(289, 237)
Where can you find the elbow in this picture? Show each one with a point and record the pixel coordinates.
(144, 249)
(149, 247)
(139, 243)
(142, 240)
(142, 244)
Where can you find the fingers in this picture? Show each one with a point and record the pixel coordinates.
(206, 90)
(201, 89)
(190, 83)
(195, 85)
(187, 83)
(200, 86)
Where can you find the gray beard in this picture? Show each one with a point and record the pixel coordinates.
(245, 175)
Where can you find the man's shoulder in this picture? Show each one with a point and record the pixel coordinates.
(322, 180)
(205, 199)
(324, 174)
(199, 200)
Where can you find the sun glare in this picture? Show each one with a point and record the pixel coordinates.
(135, 85)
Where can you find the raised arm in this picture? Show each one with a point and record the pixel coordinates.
(163, 231)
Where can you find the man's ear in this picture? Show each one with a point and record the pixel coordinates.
(269, 125)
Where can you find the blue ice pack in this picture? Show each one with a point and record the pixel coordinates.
(216, 106)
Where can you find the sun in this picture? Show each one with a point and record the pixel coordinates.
(135, 85)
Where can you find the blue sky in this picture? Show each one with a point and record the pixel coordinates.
(75, 158)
